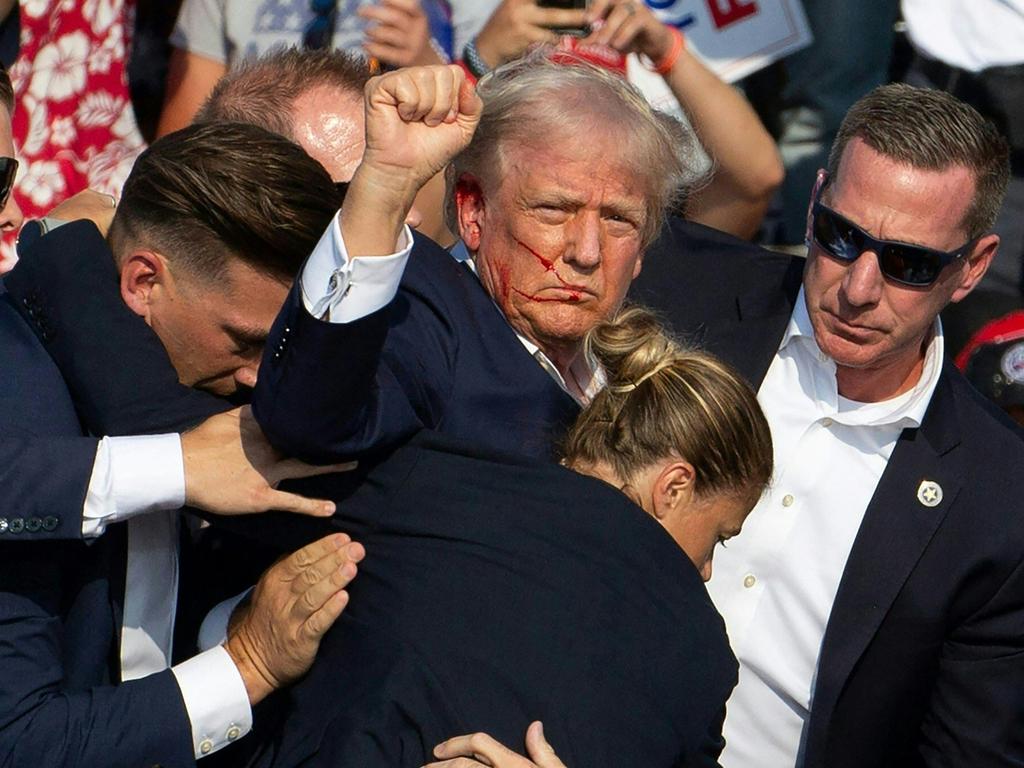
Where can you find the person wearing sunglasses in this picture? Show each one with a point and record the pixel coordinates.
(10, 214)
(876, 598)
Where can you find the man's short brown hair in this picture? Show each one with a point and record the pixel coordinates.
(262, 91)
(932, 130)
(216, 191)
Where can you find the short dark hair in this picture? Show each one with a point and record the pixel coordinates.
(216, 191)
(932, 130)
(262, 90)
(6, 90)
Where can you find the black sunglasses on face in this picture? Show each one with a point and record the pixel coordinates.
(903, 263)
(8, 170)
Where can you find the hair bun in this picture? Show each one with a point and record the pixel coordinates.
(631, 348)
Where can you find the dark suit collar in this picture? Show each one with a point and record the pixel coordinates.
(896, 529)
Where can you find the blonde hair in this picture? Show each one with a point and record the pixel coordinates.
(663, 399)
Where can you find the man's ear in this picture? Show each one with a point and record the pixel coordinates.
(673, 488)
(142, 275)
(470, 207)
(819, 182)
(976, 265)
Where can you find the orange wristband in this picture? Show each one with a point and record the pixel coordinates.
(669, 60)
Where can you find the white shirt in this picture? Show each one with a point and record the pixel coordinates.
(775, 583)
(142, 480)
(969, 34)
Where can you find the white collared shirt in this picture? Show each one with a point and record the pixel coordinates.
(775, 583)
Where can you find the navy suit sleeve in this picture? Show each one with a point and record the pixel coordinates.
(331, 391)
(118, 373)
(45, 719)
(975, 715)
(44, 482)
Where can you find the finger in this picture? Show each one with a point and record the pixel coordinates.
(314, 598)
(283, 501)
(316, 626)
(537, 747)
(394, 35)
(627, 33)
(555, 17)
(389, 54)
(618, 16)
(446, 102)
(478, 745)
(470, 106)
(405, 90)
(385, 14)
(292, 565)
(337, 568)
(458, 762)
(598, 9)
(293, 469)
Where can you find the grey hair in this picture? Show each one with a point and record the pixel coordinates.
(548, 93)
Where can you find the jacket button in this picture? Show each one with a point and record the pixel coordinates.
(33, 524)
(17, 525)
(50, 523)
(4, 525)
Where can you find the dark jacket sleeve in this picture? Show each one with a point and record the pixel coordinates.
(331, 391)
(45, 719)
(120, 378)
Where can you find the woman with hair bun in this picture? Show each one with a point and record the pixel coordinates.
(497, 589)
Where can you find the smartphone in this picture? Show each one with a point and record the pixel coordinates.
(569, 5)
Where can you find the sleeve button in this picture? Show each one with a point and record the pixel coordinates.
(33, 524)
(50, 523)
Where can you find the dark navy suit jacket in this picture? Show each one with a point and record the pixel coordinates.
(60, 601)
(922, 662)
(440, 356)
(496, 590)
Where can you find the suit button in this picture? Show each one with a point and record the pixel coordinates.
(205, 746)
(4, 525)
(50, 523)
(17, 525)
(33, 524)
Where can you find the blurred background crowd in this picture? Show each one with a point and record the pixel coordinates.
(95, 81)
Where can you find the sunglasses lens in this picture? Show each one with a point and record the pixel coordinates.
(836, 236)
(8, 170)
(910, 265)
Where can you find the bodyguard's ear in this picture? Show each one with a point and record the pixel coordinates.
(673, 488)
(142, 274)
(471, 209)
(976, 265)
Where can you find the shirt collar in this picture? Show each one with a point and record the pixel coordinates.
(584, 369)
(908, 408)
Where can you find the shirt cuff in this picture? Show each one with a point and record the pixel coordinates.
(342, 290)
(215, 700)
(132, 476)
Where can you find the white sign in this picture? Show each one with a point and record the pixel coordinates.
(737, 37)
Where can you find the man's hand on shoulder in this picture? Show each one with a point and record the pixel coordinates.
(231, 469)
(274, 638)
(479, 749)
(97, 207)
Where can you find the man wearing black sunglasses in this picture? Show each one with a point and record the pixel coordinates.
(875, 599)
(10, 213)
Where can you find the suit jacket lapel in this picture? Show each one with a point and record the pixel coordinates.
(897, 527)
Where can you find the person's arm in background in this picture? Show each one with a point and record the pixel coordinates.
(747, 165)
(398, 33)
(516, 25)
(199, 58)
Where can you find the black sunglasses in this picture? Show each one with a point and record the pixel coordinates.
(903, 263)
(319, 33)
(8, 170)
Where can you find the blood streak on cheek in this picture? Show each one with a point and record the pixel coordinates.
(549, 266)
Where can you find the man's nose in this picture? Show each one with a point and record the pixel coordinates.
(11, 217)
(584, 247)
(246, 375)
(864, 282)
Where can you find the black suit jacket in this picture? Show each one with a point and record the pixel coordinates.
(497, 590)
(922, 661)
(60, 601)
(440, 356)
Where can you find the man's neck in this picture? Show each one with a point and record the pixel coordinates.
(877, 384)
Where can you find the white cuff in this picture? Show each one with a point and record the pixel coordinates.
(132, 476)
(214, 629)
(344, 290)
(215, 699)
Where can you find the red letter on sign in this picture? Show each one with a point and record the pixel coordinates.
(726, 12)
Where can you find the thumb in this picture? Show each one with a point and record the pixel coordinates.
(542, 753)
(471, 106)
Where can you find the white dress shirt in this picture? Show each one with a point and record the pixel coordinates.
(142, 480)
(776, 582)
